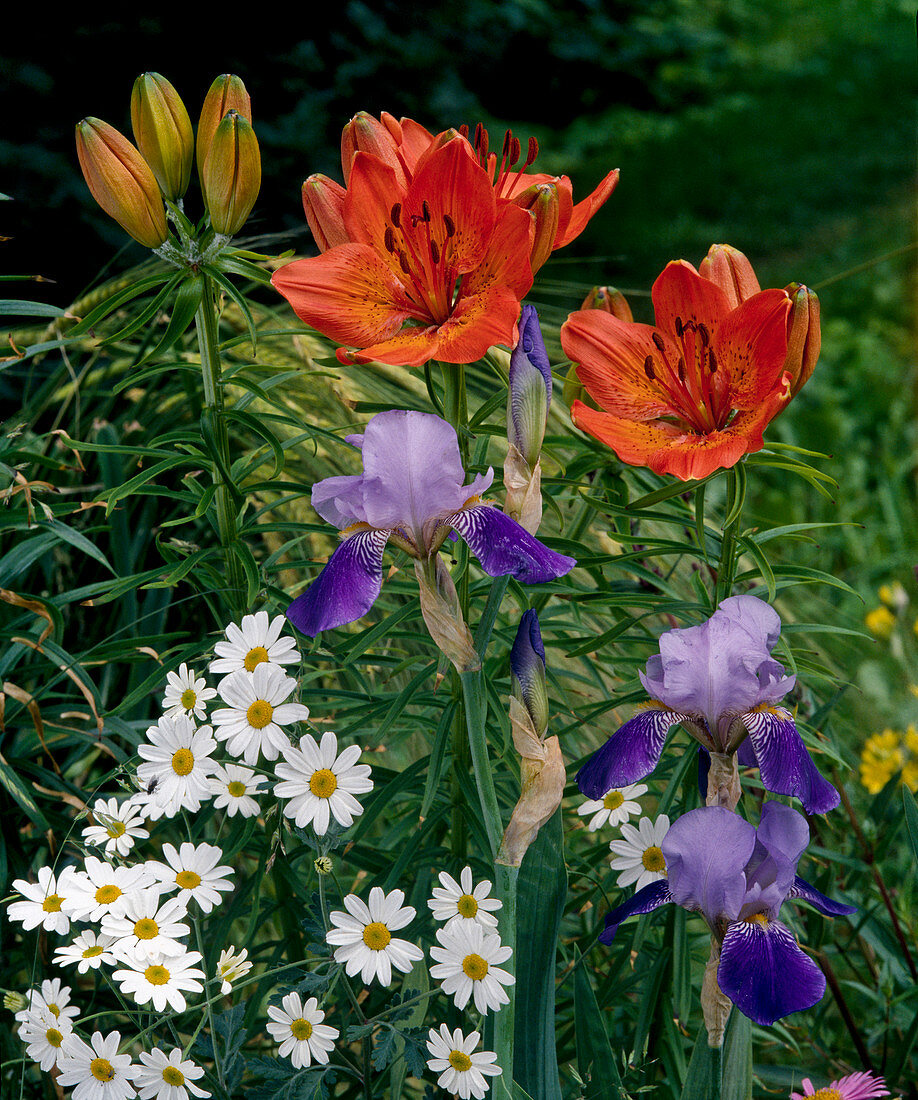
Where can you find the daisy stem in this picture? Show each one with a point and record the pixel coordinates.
(211, 373)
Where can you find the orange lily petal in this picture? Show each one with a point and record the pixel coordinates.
(751, 345)
(680, 291)
(731, 271)
(506, 262)
(585, 209)
(323, 203)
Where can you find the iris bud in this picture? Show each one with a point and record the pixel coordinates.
(527, 663)
(162, 130)
(121, 181)
(323, 203)
(232, 174)
(227, 93)
(804, 336)
(609, 299)
(530, 388)
(544, 204)
(729, 269)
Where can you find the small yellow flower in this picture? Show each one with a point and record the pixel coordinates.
(881, 758)
(910, 775)
(880, 621)
(893, 595)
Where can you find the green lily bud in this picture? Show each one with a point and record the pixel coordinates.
(227, 93)
(804, 336)
(232, 174)
(162, 130)
(609, 299)
(543, 202)
(121, 181)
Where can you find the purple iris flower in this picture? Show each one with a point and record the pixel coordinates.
(412, 491)
(720, 681)
(738, 877)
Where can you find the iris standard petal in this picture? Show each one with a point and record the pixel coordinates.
(346, 588)
(632, 752)
(765, 973)
(784, 763)
(645, 900)
(803, 891)
(502, 546)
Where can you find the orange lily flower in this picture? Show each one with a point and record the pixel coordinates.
(420, 263)
(694, 393)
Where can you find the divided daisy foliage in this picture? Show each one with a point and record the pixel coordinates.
(335, 764)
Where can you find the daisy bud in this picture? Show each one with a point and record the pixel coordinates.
(323, 865)
(162, 130)
(14, 1001)
(527, 663)
(323, 203)
(611, 300)
(227, 93)
(544, 204)
(729, 269)
(121, 181)
(232, 174)
(803, 335)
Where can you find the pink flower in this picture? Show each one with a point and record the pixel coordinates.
(856, 1086)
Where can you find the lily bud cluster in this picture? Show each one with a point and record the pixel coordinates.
(142, 186)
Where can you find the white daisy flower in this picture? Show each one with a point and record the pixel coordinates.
(101, 889)
(615, 806)
(186, 694)
(45, 1041)
(299, 1030)
(194, 872)
(88, 951)
(253, 643)
(462, 1073)
(53, 999)
(256, 713)
(363, 936)
(467, 967)
(163, 1077)
(458, 902)
(162, 979)
(178, 761)
(95, 1070)
(320, 783)
(232, 966)
(147, 925)
(639, 856)
(116, 826)
(45, 901)
(234, 787)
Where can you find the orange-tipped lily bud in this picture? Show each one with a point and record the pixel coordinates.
(227, 93)
(323, 202)
(729, 269)
(543, 202)
(367, 134)
(162, 130)
(610, 300)
(804, 336)
(232, 174)
(121, 181)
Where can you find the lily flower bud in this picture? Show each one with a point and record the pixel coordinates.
(121, 182)
(543, 201)
(232, 174)
(610, 300)
(380, 137)
(162, 130)
(527, 663)
(227, 93)
(323, 203)
(530, 388)
(729, 269)
(804, 336)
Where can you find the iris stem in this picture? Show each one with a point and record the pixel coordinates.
(211, 372)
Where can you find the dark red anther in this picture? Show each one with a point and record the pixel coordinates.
(396, 213)
(482, 146)
(389, 239)
(681, 370)
(508, 138)
(515, 150)
(464, 131)
(450, 225)
(704, 334)
(658, 340)
(712, 362)
(680, 328)
(425, 211)
(532, 153)
(648, 367)
(403, 262)
(435, 252)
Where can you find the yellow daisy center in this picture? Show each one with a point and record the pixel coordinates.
(116, 829)
(146, 929)
(92, 952)
(55, 1010)
(613, 800)
(826, 1094)
(259, 714)
(105, 895)
(157, 975)
(255, 656)
(460, 1061)
(236, 788)
(474, 967)
(376, 936)
(301, 1029)
(183, 762)
(467, 906)
(54, 1037)
(323, 783)
(188, 880)
(102, 1069)
(172, 1075)
(188, 698)
(653, 859)
(52, 903)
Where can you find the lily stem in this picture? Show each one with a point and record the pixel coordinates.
(214, 422)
